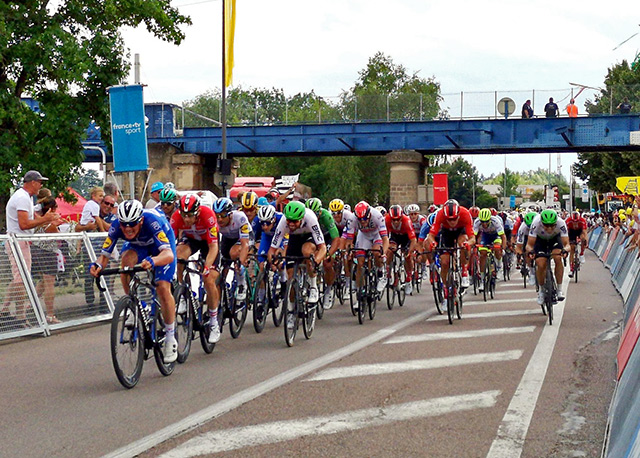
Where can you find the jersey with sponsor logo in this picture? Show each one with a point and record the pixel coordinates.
(417, 224)
(402, 226)
(309, 225)
(523, 233)
(238, 227)
(375, 227)
(464, 222)
(205, 228)
(348, 220)
(155, 235)
(494, 227)
(537, 229)
(576, 224)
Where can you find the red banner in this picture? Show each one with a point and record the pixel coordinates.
(629, 339)
(440, 188)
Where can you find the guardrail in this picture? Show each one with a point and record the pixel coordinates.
(45, 284)
(623, 425)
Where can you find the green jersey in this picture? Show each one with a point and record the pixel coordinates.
(328, 225)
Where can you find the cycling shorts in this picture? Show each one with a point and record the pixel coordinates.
(225, 246)
(449, 238)
(162, 273)
(490, 239)
(546, 245)
(574, 235)
(402, 240)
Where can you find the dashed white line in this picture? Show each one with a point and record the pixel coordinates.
(498, 301)
(492, 314)
(280, 431)
(459, 335)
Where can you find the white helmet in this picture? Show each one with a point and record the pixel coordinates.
(266, 213)
(130, 211)
(381, 209)
(412, 208)
(347, 207)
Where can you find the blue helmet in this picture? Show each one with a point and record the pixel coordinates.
(223, 205)
(431, 218)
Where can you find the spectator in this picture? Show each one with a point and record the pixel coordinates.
(90, 219)
(527, 111)
(551, 109)
(572, 109)
(155, 195)
(45, 259)
(21, 219)
(624, 107)
(111, 189)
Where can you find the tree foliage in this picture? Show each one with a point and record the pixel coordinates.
(64, 55)
(463, 182)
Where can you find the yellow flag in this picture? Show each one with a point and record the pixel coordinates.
(628, 185)
(229, 33)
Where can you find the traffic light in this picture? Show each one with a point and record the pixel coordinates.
(556, 194)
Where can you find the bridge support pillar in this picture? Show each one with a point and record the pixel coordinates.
(407, 173)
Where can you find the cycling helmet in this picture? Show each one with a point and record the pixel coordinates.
(267, 213)
(168, 195)
(451, 209)
(474, 211)
(431, 218)
(433, 208)
(412, 208)
(362, 210)
(548, 216)
(249, 200)
(528, 218)
(189, 203)
(484, 215)
(314, 204)
(262, 201)
(130, 211)
(395, 212)
(294, 210)
(381, 209)
(223, 205)
(575, 214)
(622, 217)
(169, 185)
(628, 211)
(336, 205)
(494, 212)
(347, 207)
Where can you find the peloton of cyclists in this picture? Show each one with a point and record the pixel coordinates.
(492, 237)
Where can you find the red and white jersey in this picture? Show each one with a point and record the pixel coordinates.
(375, 227)
(576, 224)
(418, 223)
(464, 221)
(402, 226)
(205, 228)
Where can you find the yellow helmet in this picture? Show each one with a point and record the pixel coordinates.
(249, 200)
(629, 210)
(623, 217)
(336, 205)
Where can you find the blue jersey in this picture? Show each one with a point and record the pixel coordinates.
(424, 230)
(155, 235)
(266, 237)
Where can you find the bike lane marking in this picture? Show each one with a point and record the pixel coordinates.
(280, 431)
(458, 334)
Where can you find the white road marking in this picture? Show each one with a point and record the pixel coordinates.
(459, 335)
(236, 400)
(413, 365)
(489, 314)
(531, 291)
(496, 301)
(515, 423)
(286, 430)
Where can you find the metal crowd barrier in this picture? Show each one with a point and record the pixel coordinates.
(55, 291)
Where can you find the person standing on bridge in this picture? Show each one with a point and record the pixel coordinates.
(572, 109)
(527, 111)
(551, 109)
(624, 107)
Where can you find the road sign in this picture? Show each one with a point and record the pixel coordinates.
(506, 106)
(566, 196)
(585, 194)
(512, 202)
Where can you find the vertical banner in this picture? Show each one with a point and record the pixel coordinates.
(440, 188)
(128, 130)
(229, 35)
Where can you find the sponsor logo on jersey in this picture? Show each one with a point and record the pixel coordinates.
(214, 232)
(245, 229)
(163, 237)
(155, 226)
(107, 243)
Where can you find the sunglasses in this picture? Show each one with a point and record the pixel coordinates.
(188, 214)
(336, 213)
(109, 204)
(167, 204)
(223, 215)
(266, 223)
(548, 225)
(130, 224)
(290, 221)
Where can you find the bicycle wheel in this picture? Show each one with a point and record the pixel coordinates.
(437, 296)
(322, 290)
(392, 284)
(418, 277)
(158, 346)
(261, 301)
(353, 295)
(363, 293)
(549, 294)
(238, 316)
(451, 296)
(402, 280)
(290, 307)
(372, 299)
(525, 272)
(576, 269)
(309, 315)
(184, 321)
(277, 292)
(127, 342)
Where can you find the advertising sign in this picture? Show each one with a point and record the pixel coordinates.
(440, 188)
(128, 131)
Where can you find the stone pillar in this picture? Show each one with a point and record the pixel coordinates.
(187, 171)
(406, 168)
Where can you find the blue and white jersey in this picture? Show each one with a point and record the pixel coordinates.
(155, 235)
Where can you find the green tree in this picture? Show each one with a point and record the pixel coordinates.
(537, 196)
(510, 183)
(87, 180)
(64, 55)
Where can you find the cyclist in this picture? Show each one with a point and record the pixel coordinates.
(491, 235)
(344, 220)
(507, 224)
(372, 234)
(474, 211)
(167, 205)
(548, 234)
(235, 230)
(432, 209)
(417, 220)
(305, 239)
(382, 210)
(454, 225)
(577, 227)
(523, 234)
(269, 219)
(196, 229)
(149, 241)
(402, 236)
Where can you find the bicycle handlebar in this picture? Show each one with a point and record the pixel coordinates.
(123, 270)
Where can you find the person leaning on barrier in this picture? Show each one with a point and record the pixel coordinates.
(90, 220)
(45, 258)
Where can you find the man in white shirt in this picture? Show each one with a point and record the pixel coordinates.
(22, 220)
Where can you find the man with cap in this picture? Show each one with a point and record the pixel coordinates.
(21, 219)
(155, 195)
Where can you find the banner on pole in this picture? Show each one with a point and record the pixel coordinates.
(128, 130)
(440, 188)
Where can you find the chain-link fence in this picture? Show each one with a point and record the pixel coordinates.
(45, 284)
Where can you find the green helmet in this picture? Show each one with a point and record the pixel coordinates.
(168, 195)
(528, 218)
(484, 215)
(548, 216)
(314, 204)
(294, 211)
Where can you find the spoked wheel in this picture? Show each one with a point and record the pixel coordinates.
(290, 307)
(309, 316)
(260, 302)
(362, 304)
(353, 294)
(392, 284)
(459, 303)
(184, 321)
(525, 273)
(372, 299)
(158, 347)
(238, 316)
(437, 293)
(322, 290)
(277, 291)
(492, 285)
(576, 269)
(417, 277)
(451, 297)
(548, 296)
(402, 280)
(127, 342)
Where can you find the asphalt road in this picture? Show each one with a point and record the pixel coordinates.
(499, 382)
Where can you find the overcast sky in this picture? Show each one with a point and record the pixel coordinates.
(512, 47)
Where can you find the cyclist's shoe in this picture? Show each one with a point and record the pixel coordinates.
(425, 274)
(182, 305)
(408, 289)
(465, 280)
(130, 321)
(481, 286)
(291, 321)
(582, 260)
(541, 296)
(214, 333)
(559, 295)
(313, 295)
(328, 299)
(498, 268)
(241, 293)
(382, 282)
(170, 351)
(531, 281)
(571, 274)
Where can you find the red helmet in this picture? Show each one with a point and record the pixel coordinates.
(451, 209)
(494, 212)
(474, 212)
(395, 212)
(362, 210)
(189, 203)
(433, 208)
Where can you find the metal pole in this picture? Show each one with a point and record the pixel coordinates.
(461, 103)
(132, 175)
(495, 104)
(388, 114)
(223, 102)
(533, 100)
(136, 68)
(104, 160)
